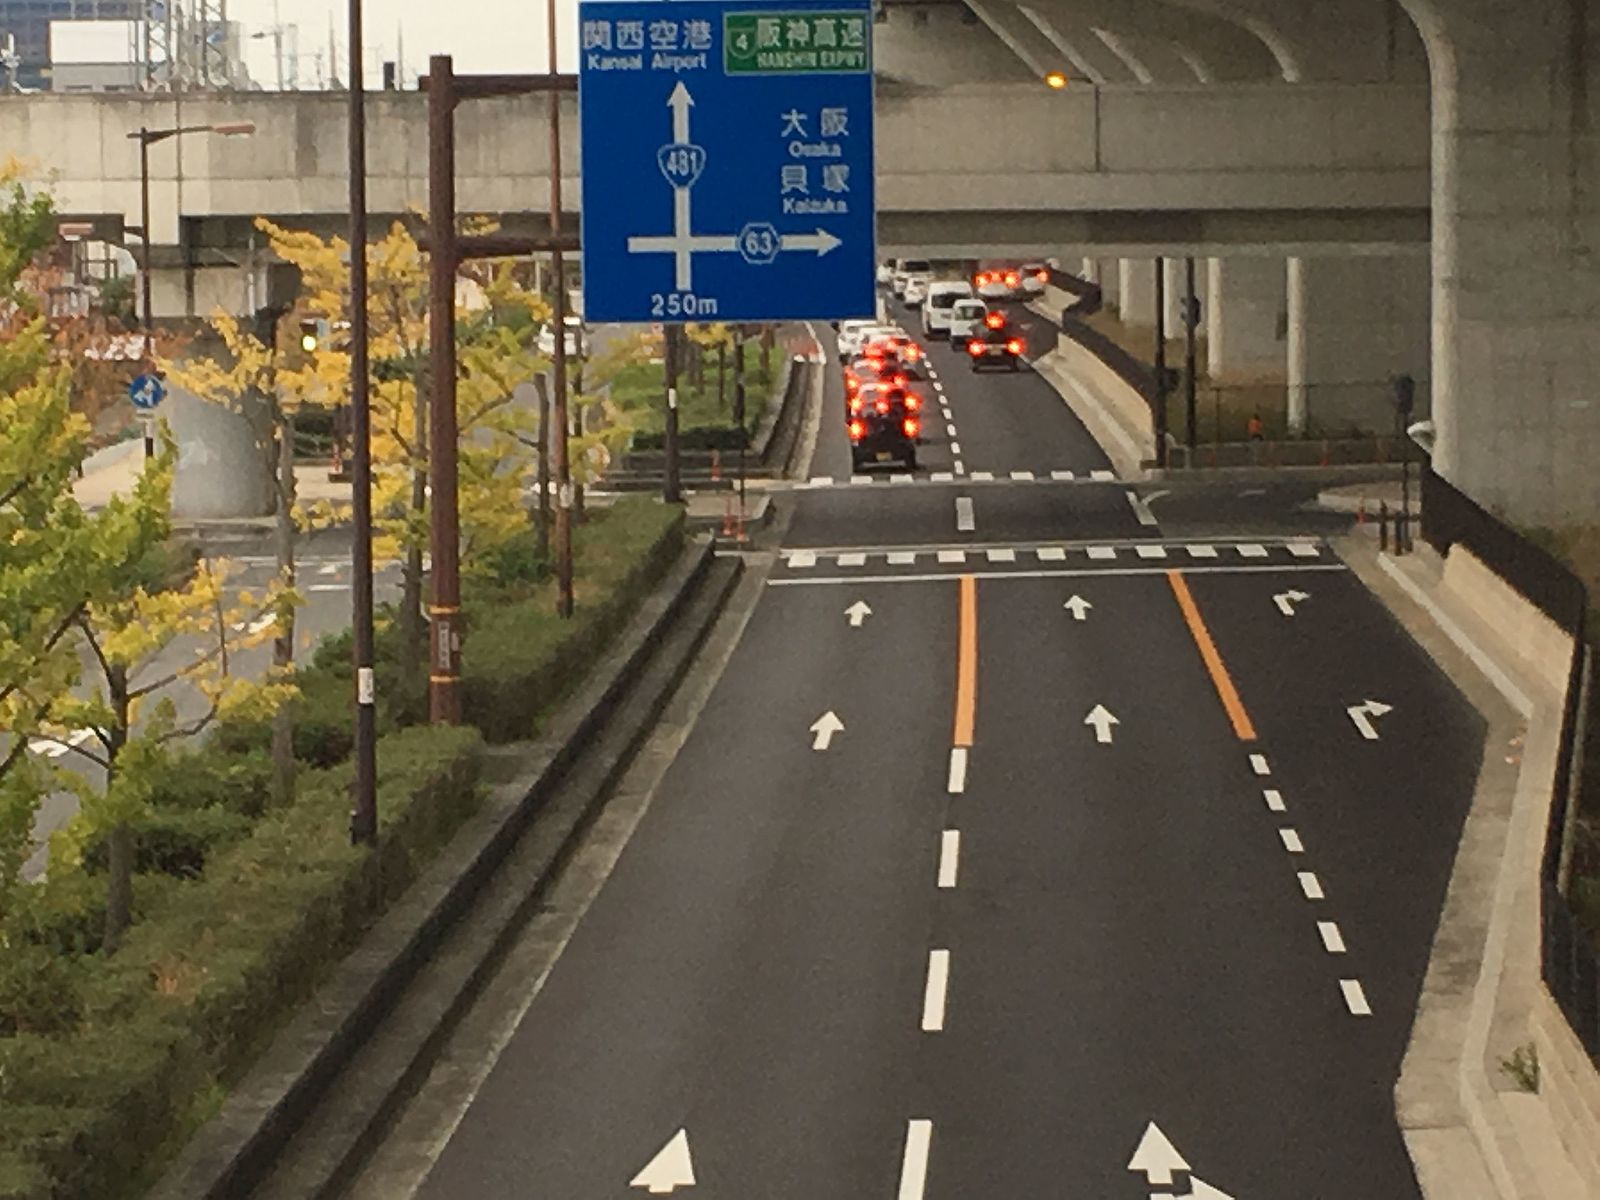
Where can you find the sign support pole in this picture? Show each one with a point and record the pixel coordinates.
(671, 492)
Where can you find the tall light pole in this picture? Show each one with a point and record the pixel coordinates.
(364, 807)
(147, 138)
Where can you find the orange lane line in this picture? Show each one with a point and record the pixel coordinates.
(1220, 679)
(967, 663)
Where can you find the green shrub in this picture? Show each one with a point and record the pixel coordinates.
(521, 658)
(175, 841)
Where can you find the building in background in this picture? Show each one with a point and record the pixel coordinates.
(151, 45)
(28, 23)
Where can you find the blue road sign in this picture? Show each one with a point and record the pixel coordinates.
(727, 160)
(147, 392)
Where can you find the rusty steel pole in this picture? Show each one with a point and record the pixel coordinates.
(364, 814)
(444, 642)
(558, 371)
(671, 491)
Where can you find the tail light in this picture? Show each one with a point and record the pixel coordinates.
(882, 406)
(1013, 279)
(1014, 345)
(1042, 276)
(994, 320)
(913, 402)
(975, 347)
(857, 431)
(855, 404)
(912, 427)
(898, 381)
(913, 351)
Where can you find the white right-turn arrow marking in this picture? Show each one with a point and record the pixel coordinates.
(1286, 601)
(827, 725)
(1156, 1156)
(1079, 608)
(669, 1170)
(1361, 715)
(1102, 720)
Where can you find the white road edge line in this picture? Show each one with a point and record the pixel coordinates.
(1310, 884)
(914, 1166)
(1141, 510)
(949, 858)
(936, 991)
(958, 770)
(1355, 998)
(1332, 939)
(966, 521)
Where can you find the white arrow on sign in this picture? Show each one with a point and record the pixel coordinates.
(1102, 720)
(827, 725)
(669, 1170)
(858, 613)
(1156, 1156)
(1079, 608)
(1287, 600)
(1362, 714)
(758, 241)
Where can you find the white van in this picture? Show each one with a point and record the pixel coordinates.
(966, 321)
(909, 269)
(941, 298)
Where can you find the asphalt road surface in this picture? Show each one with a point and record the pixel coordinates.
(1025, 847)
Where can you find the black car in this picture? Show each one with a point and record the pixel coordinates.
(996, 345)
(883, 428)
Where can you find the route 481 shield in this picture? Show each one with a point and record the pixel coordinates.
(727, 155)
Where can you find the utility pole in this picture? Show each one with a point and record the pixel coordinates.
(1161, 362)
(364, 817)
(147, 322)
(1191, 318)
(671, 492)
(1405, 401)
(739, 410)
(558, 375)
(444, 644)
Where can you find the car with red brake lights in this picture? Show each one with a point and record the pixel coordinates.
(899, 342)
(996, 345)
(998, 283)
(1035, 275)
(884, 426)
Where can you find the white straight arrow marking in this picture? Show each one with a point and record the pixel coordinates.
(1156, 1156)
(1079, 607)
(827, 725)
(1361, 716)
(858, 613)
(1286, 601)
(669, 1170)
(1102, 720)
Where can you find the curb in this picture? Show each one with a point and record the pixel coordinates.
(309, 1057)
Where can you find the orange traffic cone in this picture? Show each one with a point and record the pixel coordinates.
(727, 517)
(716, 466)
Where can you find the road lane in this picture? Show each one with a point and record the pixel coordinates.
(1132, 944)
(753, 971)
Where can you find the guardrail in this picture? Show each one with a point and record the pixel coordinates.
(1570, 961)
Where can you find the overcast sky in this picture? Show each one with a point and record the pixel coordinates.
(483, 35)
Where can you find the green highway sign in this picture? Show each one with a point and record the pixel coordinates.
(774, 42)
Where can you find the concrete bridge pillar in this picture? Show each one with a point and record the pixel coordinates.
(1516, 243)
(1136, 291)
(1246, 315)
(1354, 324)
(1110, 281)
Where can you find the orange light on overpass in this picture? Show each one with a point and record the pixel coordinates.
(1056, 80)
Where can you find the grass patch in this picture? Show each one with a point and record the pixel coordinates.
(705, 412)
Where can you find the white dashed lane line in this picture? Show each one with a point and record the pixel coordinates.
(1332, 939)
(949, 858)
(1291, 841)
(1310, 885)
(1274, 799)
(1355, 998)
(936, 991)
(914, 1163)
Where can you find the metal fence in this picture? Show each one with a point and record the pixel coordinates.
(1570, 960)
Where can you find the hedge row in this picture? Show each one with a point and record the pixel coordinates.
(107, 1063)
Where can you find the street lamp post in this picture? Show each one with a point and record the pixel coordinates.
(147, 138)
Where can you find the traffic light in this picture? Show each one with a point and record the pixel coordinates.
(313, 333)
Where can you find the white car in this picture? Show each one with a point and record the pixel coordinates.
(942, 296)
(1035, 275)
(966, 321)
(546, 341)
(909, 269)
(998, 283)
(916, 293)
(851, 335)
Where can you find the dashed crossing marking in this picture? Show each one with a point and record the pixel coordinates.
(1101, 552)
(802, 558)
(1063, 476)
(1022, 476)
(852, 560)
(949, 858)
(1002, 556)
(936, 991)
(902, 558)
(1151, 551)
(983, 477)
(1052, 554)
(1103, 476)
(1332, 939)
(1252, 550)
(1202, 551)
(914, 1163)
(952, 556)
(1355, 998)
(1310, 884)
(1291, 841)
